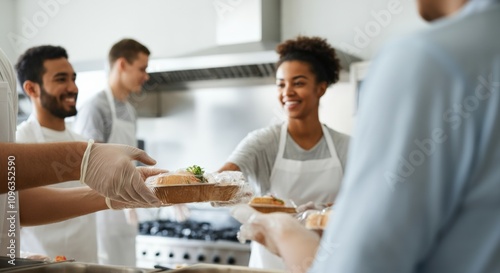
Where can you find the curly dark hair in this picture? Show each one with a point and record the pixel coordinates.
(315, 51)
(29, 66)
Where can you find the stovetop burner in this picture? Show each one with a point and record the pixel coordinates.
(188, 229)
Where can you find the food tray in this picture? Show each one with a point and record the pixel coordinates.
(271, 208)
(212, 268)
(193, 193)
(223, 192)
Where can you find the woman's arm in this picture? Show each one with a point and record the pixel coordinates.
(31, 165)
(44, 205)
(229, 167)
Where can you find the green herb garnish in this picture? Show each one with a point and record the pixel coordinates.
(198, 172)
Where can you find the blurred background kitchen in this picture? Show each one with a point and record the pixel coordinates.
(212, 82)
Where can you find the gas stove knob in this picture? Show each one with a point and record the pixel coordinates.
(144, 253)
(201, 258)
(157, 254)
(186, 256)
(216, 259)
(171, 255)
(231, 260)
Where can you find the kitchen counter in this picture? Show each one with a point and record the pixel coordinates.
(78, 267)
(74, 267)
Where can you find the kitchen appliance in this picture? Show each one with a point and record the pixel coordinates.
(170, 243)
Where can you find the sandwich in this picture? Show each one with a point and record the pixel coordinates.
(268, 204)
(191, 185)
(267, 200)
(191, 175)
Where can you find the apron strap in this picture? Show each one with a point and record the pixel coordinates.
(331, 146)
(283, 134)
(37, 129)
(111, 102)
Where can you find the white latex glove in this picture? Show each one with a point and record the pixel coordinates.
(145, 172)
(280, 233)
(244, 194)
(117, 205)
(312, 206)
(108, 169)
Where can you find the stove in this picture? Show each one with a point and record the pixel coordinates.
(170, 243)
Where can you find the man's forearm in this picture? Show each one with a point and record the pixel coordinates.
(33, 165)
(45, 205)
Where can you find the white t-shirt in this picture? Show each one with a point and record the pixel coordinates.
(255, 154)
(94, 119)
(74, 238)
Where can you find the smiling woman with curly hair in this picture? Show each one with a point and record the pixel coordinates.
(301, 159)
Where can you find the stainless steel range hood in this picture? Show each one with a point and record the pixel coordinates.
(247, 35)
(228, 62)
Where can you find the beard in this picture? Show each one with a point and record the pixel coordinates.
(54, 106)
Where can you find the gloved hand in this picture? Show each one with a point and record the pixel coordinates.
(108, 169)
(280, 233)
(312, 206)
(243, 196)
(145, 172)
(244, 193)
(305, 210)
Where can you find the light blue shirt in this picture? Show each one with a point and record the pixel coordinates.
(422, 186)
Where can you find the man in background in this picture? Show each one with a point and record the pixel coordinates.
(106, 169)
(109, 117)
(48, 79)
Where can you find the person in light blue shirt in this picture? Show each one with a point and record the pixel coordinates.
(422, 186)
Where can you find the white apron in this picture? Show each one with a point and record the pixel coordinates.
(302, 181)
(73, 238)
(116, 234)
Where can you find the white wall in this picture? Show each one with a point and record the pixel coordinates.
(88, 28)
(358, 26)
(336, 107)
(7, 25)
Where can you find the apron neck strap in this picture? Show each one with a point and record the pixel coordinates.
(284, 133)
(111, 101)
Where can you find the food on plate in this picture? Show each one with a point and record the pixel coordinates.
(267, 200)
(268, 204)
(193, 185)
(318, 220)
(191, 175)
(198, 172)
(60, 258)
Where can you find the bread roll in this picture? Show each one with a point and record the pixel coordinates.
(176, 179)
(267, 200)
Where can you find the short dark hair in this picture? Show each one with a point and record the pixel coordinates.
(316, 52)
(128, 49)
(30, 67)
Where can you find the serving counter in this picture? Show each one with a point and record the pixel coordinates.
(78, 267)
